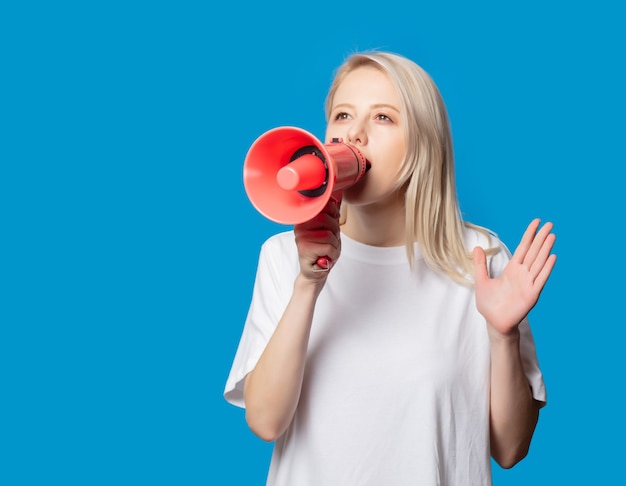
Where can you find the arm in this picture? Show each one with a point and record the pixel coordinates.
(272, 388)
(513, 411)
(504, 302)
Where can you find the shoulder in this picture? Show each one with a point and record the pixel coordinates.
(279, 253)
(474, 235)
(279, 242)
(498, 254)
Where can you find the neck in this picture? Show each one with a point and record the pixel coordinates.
(376, 225)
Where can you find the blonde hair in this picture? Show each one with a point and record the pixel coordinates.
(426, 176)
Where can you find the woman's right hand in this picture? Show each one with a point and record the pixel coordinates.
(319, 238)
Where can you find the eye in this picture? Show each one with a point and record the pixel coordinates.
(383, 117)
(341, 116)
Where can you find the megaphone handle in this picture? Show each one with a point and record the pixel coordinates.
(323, 263)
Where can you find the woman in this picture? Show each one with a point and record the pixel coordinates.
(411, 360)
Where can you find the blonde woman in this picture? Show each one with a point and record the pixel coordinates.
(411, 361)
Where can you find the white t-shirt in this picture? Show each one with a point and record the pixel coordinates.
(396, 386)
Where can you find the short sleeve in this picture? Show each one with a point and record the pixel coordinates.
(270, 295)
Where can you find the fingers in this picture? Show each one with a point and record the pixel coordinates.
(526, 242)
(539, 255)
(537, 244)
(545, 272)
(534, 251)
(318, 240)
(480, 265)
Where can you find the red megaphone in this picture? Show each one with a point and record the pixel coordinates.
(289, 175)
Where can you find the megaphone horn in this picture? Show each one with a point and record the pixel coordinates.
(289, 175)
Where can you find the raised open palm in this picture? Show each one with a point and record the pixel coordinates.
(505, 300)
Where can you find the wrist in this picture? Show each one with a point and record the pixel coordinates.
(306, 286)
(499, 337)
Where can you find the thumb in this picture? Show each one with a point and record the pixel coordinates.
(480, 264)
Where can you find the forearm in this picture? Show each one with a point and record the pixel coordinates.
(272, 389)
(513, 412)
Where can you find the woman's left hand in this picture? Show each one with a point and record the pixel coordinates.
(505, 301)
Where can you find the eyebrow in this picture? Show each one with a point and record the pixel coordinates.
(377, 106)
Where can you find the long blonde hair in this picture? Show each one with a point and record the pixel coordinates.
(426, 176)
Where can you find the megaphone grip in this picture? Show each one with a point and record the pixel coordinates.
(323, 263)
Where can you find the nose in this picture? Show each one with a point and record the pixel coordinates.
(357, 133)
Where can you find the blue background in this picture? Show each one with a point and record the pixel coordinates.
(128, 245)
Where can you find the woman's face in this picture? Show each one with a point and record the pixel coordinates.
(365, 112)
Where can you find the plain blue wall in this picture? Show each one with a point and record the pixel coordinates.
(129, 246)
